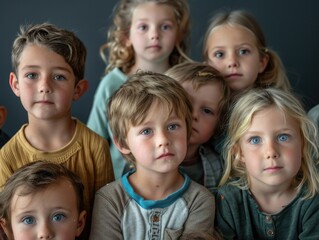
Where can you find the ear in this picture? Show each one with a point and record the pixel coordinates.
(80, 89)
(4, 228)
(237, 153)
(122, 149)
(14, 84)
(263, 63)
(3, 116)
(81, 223)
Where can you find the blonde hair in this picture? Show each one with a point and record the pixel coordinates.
(274, 73)
(130, 104)
(242, 113)
(201, 74)
(122, 56)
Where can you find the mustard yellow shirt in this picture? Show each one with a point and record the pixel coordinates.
(87, 154)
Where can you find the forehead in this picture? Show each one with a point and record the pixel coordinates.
(153, 11)
(39, 56)
(60, 194)
(210, 90)
(226, 33)
(274, 118)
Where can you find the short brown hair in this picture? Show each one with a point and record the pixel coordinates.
(61, 41)
(35, 177)
(130, 104)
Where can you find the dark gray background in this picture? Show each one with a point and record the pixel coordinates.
(291, 28)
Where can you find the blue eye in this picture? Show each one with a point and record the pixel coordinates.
(283, 137)
(243, 51)
(255, 140)
(58, 217)
(172, 127)
(147, 131)
(28, 220)
(59, 77)
(32, 75)
(219, 54)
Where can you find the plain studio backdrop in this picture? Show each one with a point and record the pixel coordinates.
(291, 28)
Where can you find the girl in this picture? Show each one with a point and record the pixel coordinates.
(150, 35)
(272, 181)
(235, 45)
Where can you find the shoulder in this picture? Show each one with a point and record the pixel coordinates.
(230, 193)
(111, 82)
(113, 193)
(197, 192)
(87, 134)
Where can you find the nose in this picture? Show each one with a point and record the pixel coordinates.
(154, 33)
(195, 116)
(45, 86)
(45, 231)
(233, 61)
(271, 150)
(162, 139)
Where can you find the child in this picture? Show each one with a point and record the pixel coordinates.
(42, 200)
(149, 35)
(48, 64)
(235, 45)
(271, 156)
(150, 117)
(4, 138)
(208, 93)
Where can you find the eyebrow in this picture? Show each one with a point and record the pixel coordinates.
(38, 67)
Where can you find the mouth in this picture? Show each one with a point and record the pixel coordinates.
(165, 155)
(154, 47)
(273, 169)
(233, 75)
(44, 102)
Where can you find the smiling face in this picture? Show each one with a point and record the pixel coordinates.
(271, 149)
(232, 50)
(50, 213)
(153, 33)
(45, 83)
(159, 143)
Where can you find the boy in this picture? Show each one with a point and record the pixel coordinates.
(4, 138)
(48, 71)
(150, 117)
(40, 191)
(208, 93)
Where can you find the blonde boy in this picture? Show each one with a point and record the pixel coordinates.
(150, 117)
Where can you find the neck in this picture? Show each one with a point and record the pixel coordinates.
(149, 66)
(50, 136)
(155, 186)
(274, 200)
(192, 155)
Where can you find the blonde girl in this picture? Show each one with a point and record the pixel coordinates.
(235, 45)
(271, 182)
(151, 35)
